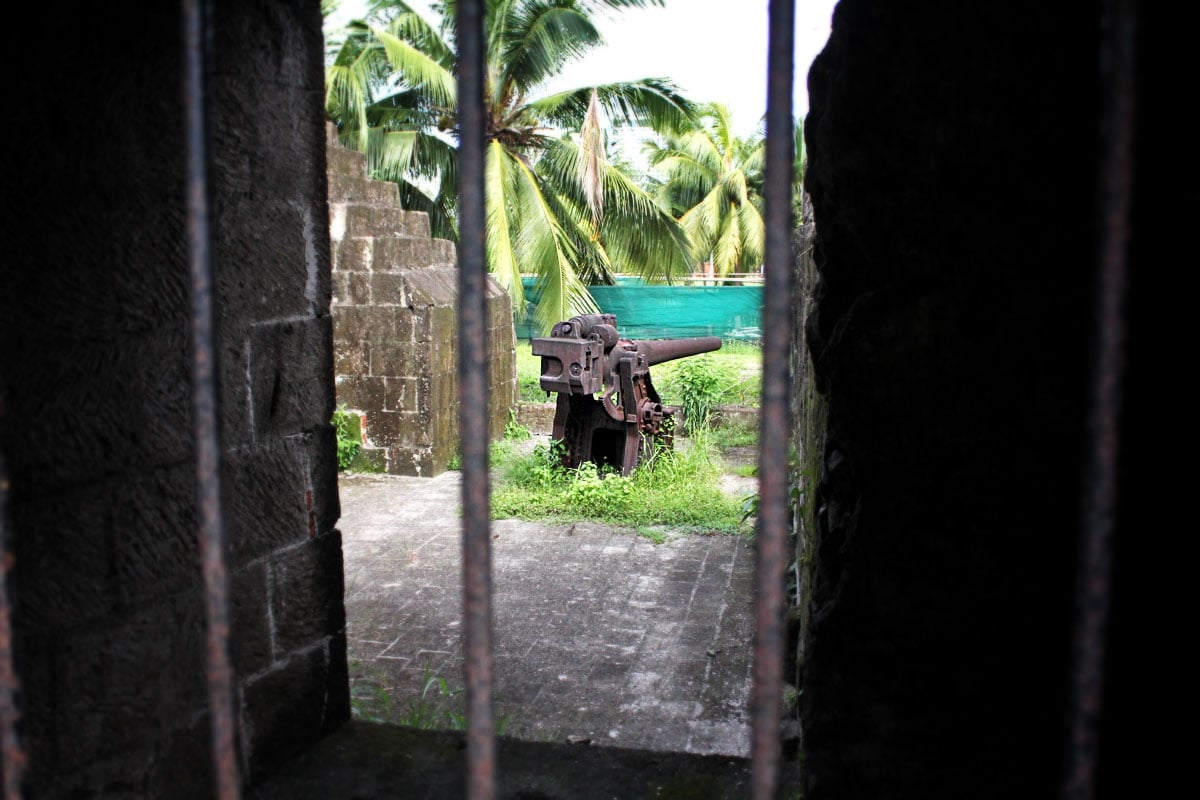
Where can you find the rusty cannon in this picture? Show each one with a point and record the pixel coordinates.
(583, 357)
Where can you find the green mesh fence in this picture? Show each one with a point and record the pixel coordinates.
(669, 312)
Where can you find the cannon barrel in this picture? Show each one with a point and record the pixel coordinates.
(658, 351)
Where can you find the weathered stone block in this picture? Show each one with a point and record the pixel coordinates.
(358, 288)
(389, 288)
(433, 287)
(350, 323)
(306, 593)
(63, 538)
(381, 324)
(416, 224)
(344, 166)
(250, 629)
(324, 506)
(369, 459)
(351, 358)
(422, 324)
(404, 327)
(340, 293)
(363, 393)
(183, 768)
(392, 429)
(410, 461)
(337, 683)
(394, 359)
(291, 375)
(350, 188)
(424, 393)
(345, 185)
(444, 254)
(155, 551)
(117, 682)
(363, 220)
(400, 394)
(353, 255)
(235, 422)
(266, 499)
(286, 706)
(265, 244)
(400, 254)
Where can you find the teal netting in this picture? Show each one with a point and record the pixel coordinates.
(669, 312)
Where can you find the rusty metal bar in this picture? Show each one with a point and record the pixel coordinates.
(1093, 594)
(774, 425)
(204, 406)
(14, 758)
(473, 406)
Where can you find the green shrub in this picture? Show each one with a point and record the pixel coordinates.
(701, 382)
(515, 431)
(349, 435)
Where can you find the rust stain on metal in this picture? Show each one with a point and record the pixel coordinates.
(584, 356)
(1093, 594)
(774, 417)
(473, 404)
(204, 406)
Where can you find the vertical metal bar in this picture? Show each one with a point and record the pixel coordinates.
(775, 433)
(13, 762)
(1108, 366)
(204, 406)
(473, 406)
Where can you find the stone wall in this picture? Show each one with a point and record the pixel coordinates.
(95, 402)
(952, 153)
(809, 411)
(395, 293)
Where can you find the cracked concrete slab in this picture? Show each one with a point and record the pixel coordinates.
(600, 634)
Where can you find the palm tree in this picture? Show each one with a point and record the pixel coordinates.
(713, 183)
(555, 208)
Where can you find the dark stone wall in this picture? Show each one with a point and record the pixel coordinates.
(952, 169)
(809, 414)
(395, 325)
(95, 403)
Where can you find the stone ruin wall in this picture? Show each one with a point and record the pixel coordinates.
(395, 326)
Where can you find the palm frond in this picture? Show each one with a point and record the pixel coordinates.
(651, 102)
(593, 163)
(417, 69)
(500, 188)
(415, 29)
(702, 223)
(542, 37)
(727, 247)
(638, 236)
(546, 249)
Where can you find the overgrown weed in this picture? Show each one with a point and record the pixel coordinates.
(679, 488)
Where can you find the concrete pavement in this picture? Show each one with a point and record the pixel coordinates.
(601, 636)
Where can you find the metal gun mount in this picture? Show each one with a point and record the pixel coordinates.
(582, 357)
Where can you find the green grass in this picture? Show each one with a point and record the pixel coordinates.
(438, 706)
(735, 433)
(529, 371)
(677, 489)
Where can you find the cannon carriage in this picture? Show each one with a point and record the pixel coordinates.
(584, 357)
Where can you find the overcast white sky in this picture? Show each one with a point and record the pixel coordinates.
(714, 50)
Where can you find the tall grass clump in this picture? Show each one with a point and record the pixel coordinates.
(676, 488)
